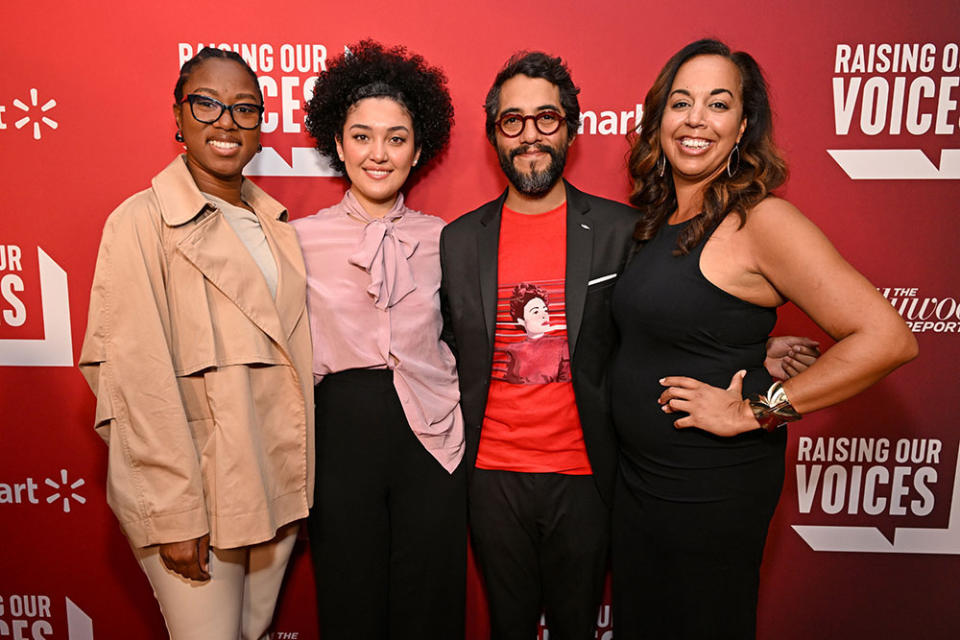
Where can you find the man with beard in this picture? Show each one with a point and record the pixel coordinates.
(541, 455)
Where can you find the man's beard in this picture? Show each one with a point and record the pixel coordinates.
(534, 183)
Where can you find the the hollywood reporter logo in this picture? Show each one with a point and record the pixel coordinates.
(897, 95)
(924, 314)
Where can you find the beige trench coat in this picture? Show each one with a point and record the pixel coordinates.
(203, 380)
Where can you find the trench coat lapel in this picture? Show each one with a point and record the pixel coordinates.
(214, 249)
(221, 257)
(579, 259)
(292, 283)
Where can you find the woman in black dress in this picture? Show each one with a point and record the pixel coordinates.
(702, 456)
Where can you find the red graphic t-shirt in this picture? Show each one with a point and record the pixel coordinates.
(531, 422)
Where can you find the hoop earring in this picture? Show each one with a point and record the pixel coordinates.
(661, 165)
(733, 168)
(179, 136)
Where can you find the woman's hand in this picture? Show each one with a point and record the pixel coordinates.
(789, 355)
(723, 412)
(188, 558)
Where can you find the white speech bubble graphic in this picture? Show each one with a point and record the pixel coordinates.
(905, 539)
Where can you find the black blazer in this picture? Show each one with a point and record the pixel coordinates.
(599, 235)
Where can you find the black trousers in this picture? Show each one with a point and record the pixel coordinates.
(541, 542)
(388, 526)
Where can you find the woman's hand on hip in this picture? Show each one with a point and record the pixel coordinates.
(723, 412)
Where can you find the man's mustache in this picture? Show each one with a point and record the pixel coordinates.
(543, 148)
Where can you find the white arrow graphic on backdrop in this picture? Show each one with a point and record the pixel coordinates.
(79, 624)
(905, 539)
(56, 347)
(306, 163)
(896, 164)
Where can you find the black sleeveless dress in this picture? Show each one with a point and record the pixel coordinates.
(692, 509)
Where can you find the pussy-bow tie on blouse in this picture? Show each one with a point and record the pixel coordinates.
(383, 252)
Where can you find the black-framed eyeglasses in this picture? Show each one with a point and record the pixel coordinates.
(547, 122)
(207, 110)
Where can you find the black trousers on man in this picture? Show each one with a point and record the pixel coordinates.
(541, 542)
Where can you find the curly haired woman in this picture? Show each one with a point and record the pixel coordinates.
(388, 529)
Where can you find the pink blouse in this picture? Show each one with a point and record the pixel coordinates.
(373, 295)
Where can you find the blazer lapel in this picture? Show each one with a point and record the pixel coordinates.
(579, 259)
(488, 243)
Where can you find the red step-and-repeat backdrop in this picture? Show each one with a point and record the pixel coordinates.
(866, 540)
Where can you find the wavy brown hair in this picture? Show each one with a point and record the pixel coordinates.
(761, 169)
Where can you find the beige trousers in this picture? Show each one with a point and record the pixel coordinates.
(236, 602)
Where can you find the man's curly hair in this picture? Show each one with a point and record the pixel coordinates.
(370, 70)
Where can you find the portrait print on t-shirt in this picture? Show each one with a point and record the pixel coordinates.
(531, 338)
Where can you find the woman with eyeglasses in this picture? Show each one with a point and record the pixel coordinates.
(388, 530)
(198, 349)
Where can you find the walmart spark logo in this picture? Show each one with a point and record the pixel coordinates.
(35, 118)
(63, 488)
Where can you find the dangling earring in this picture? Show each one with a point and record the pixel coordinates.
(259, 148)
(661, 165)
(179, 136)
(733, 166)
